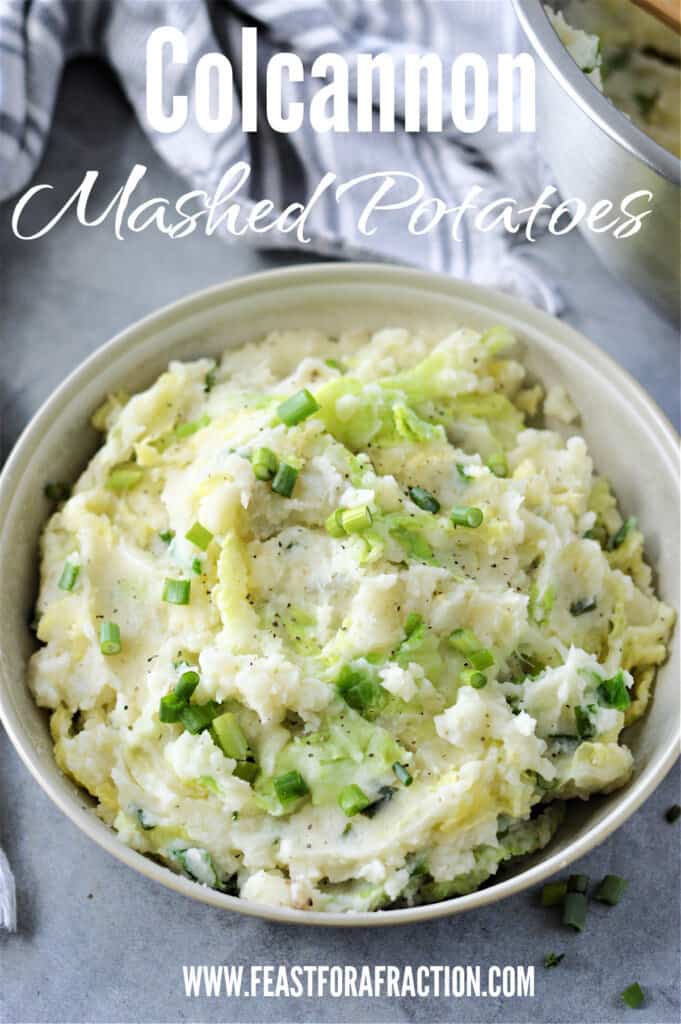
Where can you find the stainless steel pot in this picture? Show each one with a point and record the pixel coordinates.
(596, 152)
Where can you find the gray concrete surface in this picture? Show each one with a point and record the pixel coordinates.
(99, 943)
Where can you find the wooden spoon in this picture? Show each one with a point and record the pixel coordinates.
(667, 11)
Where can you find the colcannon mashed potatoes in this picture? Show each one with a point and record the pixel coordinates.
(631, 57)
(340, 624)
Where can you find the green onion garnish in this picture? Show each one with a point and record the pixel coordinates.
(481, 659)
(334, 364)
(553, 894)
(109, 638)
(412, 623)
(230, 737)
(424, 499)
(197, 717)
(363, 693)
(290, 787)
(578, 883)
(611, 889)
(186, 685)
(553, 959)
(633, 996)
(582, 606)
(464, 641)
(124, 478)
(285, 480)
(210, 380)
(574, 910)
(57, 492)
(498, 465)
(462, 470)
(385, 794)
(354, 520)
(69, 575)
(621, 535)
(613, 693)
(352, 800)
(265, 463)
(246, 770)
(464, 515)
(197, 566)
(166, 536)
(199, 536)
(673, 813)
(176, 591)
(297, 408)
(334, 524)
(471, 677)
(402, 774)
(585, 726)
(170, 708)
(187, 429)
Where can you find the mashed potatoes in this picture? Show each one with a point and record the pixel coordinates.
(339, 624)
(630, 56)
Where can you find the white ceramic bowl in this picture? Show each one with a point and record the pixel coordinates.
(629, 438)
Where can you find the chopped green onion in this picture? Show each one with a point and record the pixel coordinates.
(335, 364)
(385, 794)
(246, 770)
(265, 463)
(230, 736)
(583, 605)
(290, 787)
(402, 774)
(673, 813)
(210, 380)
(166, 536)
(297, 408)
(352, 800)
(462, 470)
(471, 677)
(176, 591)
(481, 659)
(170, 708)
(424, 499)
(186, 685)
(498, 465)
(191, 427)
(109, 638)
(613, 693)
(197, 566)
(285, 480)
(574, 910)
(464, 641)
(611, 889)
(464, 515)
(621, 535)
(334, 525)
(57, 492)
(125, 477)
(633, 996)
(360, 691)
(553, 894)
(585, 727)
(69, 575)
(413, 622)
(199, 536)
(553, 959)
(197, 717)
(354, 520)
(578, 883)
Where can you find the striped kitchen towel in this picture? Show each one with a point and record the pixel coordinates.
(38, 36)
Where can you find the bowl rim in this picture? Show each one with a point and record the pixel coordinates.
(173, 313)
(609, 118)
